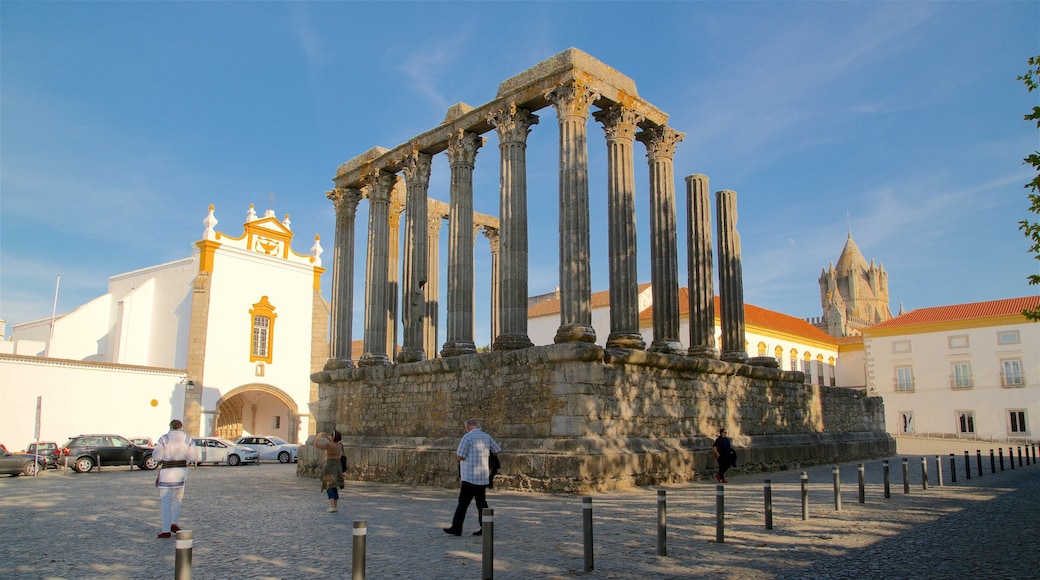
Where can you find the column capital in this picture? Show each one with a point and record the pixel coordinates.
(660, 142)
(462, 148)
(492, 235)
(511, 123)
(380, 184)
(619, 122)
(433, 221)
(572, 99)
(416, 167)
(344, 199)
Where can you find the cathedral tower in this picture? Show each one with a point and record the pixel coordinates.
(853, 293)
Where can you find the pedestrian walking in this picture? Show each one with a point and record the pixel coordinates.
(332, 471)
(475, 448)
(173, 452)
(724, 454)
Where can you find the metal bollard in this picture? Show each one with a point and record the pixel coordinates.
(586, 520)
(953, 470)
(131, 462)
(992, 462)
(836, 475)
(805, 495)
(767, 492)
(1000, 453)
(720, 514)
(488, 536)
(862, 487)
(924, 473)
(906, 475)
(1020, 456)
(182, 559)
(938, 471)
(967, 466)
(1011, 457)
(888, 488)
(358, 550)
(978, 458)
(662, 524)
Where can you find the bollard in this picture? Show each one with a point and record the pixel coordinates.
(586, 521)
(906, 475)
(888, 489)
(131, 462)
(1011, 457)
(1034, 453)
(1000, 453)
(924, 473)
(992, 462)
(488, 536)
(358, 550)
(938, 471)
(182, 559)
(978, 457)
(767, 491)
(662, 524)
(953, 470)
(805, 495)
(836, 475)
(967, 466)
(1020, 456)
(862, 487)
(720, 513)
(97, 462)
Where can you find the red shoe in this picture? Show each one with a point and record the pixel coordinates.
(718, 478)
(164, 535)
(723, 481)
(175, 528)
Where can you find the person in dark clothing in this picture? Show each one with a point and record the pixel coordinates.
(724, 454)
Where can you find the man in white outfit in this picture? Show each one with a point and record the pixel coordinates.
(173, 452)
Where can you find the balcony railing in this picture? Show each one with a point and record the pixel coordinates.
(1012, 380)
(903, 385)
(962, 382)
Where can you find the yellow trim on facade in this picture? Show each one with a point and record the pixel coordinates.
(207, 250)
(318, 271)
(945, 326)
(773, 333)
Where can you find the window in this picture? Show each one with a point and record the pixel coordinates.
(263, 317)
(965, 422)
(904, 378)
(261, 328)
(901, 346)
(807, 369)
(831, 374)
(907, 419)
(1012, 373)
(794, 359)
(277, 423)
(960, 376)
(819, 371)
(779, 354)
(1018, 421)
(1007, 337)
(762, 349)
(959, 341)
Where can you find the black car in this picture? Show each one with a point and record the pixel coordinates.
(48, 450)
(83, 452)
(20, 463)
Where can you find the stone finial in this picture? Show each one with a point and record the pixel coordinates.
(286, 222)
(210, 222)
(316, 250)
(269, 213)
(251, 214)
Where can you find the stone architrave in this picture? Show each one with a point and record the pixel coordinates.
(700, 268)
(572, 101)
(380, 184)
(345, 200)
(417, 182)
(664, 262)
(492, 235)
(431, 291)
(620, 125)
(462, 155)
(513, 125)
(731, 282)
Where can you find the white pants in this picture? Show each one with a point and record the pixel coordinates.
(171, 505)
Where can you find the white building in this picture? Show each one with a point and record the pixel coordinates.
(225, 339)
(971, 370)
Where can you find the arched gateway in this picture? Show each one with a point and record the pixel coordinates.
(257, 409)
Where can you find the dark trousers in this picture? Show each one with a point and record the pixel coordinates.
(468, 493)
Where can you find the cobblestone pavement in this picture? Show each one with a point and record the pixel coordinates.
(264, 522)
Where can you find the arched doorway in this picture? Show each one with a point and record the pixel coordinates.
(257, 409)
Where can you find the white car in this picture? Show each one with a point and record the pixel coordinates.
(217, 450)
(271, 447)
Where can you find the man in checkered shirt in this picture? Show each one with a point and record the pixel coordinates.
(473, 452)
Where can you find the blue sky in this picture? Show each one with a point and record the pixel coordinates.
(121, 122)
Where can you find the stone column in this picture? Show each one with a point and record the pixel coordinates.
(619, 124)
(393, 270)
(664, 262)
(431, 292)
(462, 156)
(513, 125)
(700, 268)
(379, 185)
(345, 201)
(731, 281)
(572, 101)
(417, 182)
(492, 235)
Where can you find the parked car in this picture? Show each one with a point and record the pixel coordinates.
(49, 451)
(83, 452)
(217, 450)
(20, 463)
(142, 441)
(271, 447)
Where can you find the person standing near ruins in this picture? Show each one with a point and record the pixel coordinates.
(332, 470)
(173, 452)
(724, 454)
(475, 448)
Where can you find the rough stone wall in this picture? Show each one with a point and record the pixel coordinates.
(576, 418)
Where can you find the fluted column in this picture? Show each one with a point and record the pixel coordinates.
(431, 292)
(572, 101)
(345, 201)
(700, 268)
(393, 266)
(619, 124)
(513, 125)
(664, 265)
(417, 182)
(462, 156)
(731, 280)
(379, 185)
(492, 235)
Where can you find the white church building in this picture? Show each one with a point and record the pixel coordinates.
(225, 339)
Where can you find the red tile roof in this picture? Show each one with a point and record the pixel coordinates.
(970, 311)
